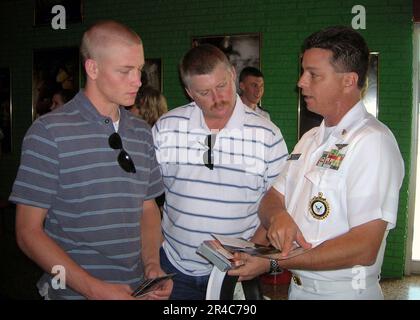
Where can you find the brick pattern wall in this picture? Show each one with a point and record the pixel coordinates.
(167, 26)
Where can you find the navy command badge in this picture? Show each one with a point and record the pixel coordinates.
(319, 207)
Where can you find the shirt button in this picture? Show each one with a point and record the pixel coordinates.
(106, 121)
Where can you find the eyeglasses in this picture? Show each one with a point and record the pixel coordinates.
(208, 156)
(124, 159)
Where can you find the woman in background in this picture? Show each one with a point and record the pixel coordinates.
(150, 105)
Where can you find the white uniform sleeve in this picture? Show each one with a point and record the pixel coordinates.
(376, 172)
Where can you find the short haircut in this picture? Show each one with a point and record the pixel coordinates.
(104, 33)
(350, 51)
(201, 60)
(250, 71)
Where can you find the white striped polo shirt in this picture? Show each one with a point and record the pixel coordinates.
(248, 155)
(262, 112)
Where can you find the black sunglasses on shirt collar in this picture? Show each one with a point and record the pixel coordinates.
(124, 159)
(208, 156)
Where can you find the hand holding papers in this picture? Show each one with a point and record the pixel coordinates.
(149, 285)
(268, 252)
(213, 251)
(220, 251)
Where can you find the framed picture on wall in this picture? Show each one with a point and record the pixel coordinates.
(243, 50)
(370, 96)
(152, 74)
(55, 70)
(43, 11)
(5, 111)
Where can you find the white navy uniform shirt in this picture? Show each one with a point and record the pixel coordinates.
(332, 184)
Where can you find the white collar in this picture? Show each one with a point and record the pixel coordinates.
(346, 124)
(117, 123)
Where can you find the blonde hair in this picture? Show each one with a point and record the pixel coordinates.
(103, 34)
(151, 104)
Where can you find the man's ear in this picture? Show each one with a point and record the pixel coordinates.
(350, 79)
(91, 67)
(233, 73)
(189, 93)
(241, 86)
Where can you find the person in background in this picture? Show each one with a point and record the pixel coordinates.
(338, 195)
(243, 52)
(217, 159)
(150, 105)
(87, 181)
(60, 97)
(251, 85)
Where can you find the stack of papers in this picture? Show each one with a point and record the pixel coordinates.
(213, 251)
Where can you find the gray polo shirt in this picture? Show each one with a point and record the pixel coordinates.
(94, 206)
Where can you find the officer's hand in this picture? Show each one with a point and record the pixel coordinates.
(251, 268)
(284, 234)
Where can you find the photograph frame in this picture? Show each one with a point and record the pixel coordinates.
(242, 49)
(152, 73)
(370, 94)
(370, 97)
(53, 69)
(43, 15)
(6, 111)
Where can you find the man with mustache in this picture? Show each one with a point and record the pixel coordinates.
(218, 157)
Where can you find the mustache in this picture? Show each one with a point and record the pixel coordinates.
(219, 104)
